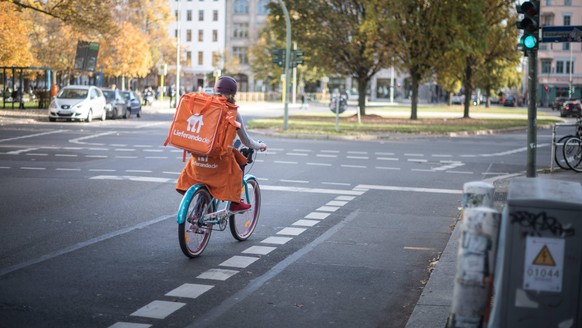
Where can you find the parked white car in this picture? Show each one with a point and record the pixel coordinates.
(78, 102)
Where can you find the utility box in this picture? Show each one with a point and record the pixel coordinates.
(539, 266)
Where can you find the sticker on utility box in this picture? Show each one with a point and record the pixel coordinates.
(544, 264)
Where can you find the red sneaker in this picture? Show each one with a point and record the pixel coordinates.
(239, 207)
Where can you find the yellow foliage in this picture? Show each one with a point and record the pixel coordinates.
(15, 49)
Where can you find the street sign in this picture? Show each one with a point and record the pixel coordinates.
(562, 34)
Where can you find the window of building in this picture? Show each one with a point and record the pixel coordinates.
(262, 7)
(189, 15)
(215, 58)
(200, 15)
(188, 35)
(188, 58)
(176, 33)
(241, 54)
(547, 20)
(200, 58)
(241, 6)
(176, 14)
(215, 15)
(546, 66)
(567, 19)
(566, 46)
(559, 67)
(200, 35)
(570, 67)
(567, 2)
(240, 30)
(214, 35)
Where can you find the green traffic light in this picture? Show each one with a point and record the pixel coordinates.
(529, 41)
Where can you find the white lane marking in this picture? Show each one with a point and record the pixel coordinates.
(285, 162)
(259, 250)
(5, 167)
(297, 154)
(348, 198)
(294, 181)
(336, 203)
(124, 149)
(417, 160)
(396, 188)
(79, 140)
(384, 154)
(153, 150)
(305, 223)
(330, 151)
(122, 324)
(174, 173)
(319, 164)
(313, 190)
(276, 240)
(138, 171)
(460, 172)
(239, 261)
(96, 156)
(32, 135)
(387, 168)
(357, 157)
(101, 170)
(98, 148)
(303, 150)
(327, 209)
(66, 169)
(32, 168)
(495, 173)
(189, 290)
(357, 152)
(36, 154)
(120, 145)
(125, 157)
(317, 215)
(217, 274)
(16, 152)
(66, 155)
(441, 155)
(386, 158)
(422, 170)
(353, 166)
(156, 157)
(291, 231)
(72, 148)
(158, 309)
(326, 155)
(336, 183)
(417, 155)
(130, 178)
(418, 248)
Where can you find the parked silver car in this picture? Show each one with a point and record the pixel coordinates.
(78, 102)
(116, 106)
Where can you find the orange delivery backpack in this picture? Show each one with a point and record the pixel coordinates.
(203, 125)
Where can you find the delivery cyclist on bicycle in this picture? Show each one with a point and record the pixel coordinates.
(222, 175)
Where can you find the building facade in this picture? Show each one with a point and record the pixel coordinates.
(558, 74)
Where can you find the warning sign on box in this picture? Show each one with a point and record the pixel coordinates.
(544, 264)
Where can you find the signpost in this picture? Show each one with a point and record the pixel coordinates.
(561, 34)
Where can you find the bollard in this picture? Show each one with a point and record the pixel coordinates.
(476, 256)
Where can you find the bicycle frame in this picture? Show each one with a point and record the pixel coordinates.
(185, 203)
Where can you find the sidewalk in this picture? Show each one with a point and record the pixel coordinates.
(434, 305)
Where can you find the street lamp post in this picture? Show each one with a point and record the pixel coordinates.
(286, 70)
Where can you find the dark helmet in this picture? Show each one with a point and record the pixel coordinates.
(225, 85)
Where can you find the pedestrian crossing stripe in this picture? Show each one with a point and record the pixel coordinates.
(544, 257)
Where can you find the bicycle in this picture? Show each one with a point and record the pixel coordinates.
(573, 153)
(199, 214)
(560, 151)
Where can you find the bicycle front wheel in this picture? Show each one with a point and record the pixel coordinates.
(559, 152)
(573, 153)
(193, 233)
(242, 225)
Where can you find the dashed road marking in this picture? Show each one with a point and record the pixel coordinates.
(305, 223)
(158, 309)
(276, 240)
(291, 231)
(217, 274)
(239, 261)
(189, 290)
(259, 250)
(317, 215)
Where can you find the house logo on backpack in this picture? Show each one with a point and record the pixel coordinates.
(194, 124)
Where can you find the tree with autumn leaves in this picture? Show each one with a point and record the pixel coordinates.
(45, 33)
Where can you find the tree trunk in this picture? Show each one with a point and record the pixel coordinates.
(468, 87)
(414, 99)
(362, 86)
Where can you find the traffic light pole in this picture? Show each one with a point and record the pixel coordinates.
(287, 62)
(532, 74)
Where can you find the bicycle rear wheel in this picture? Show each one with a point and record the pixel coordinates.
(573, 153)
(242, 225)
(559, 152)
(193, 234)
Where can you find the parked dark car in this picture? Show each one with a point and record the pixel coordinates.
(116, 104)
(510, 101)
(571, 108)
(133, 104)
(558, 103)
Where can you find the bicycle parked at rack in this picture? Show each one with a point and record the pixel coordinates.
(200, 213)
(565, 157)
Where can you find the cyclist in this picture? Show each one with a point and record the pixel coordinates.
(222, 175)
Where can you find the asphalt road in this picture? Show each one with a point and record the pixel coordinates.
(346, 238)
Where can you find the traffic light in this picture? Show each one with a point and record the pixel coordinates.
(530, 24)
(278, 57)
(297, 60)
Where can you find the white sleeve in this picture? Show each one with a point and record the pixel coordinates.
(244, 136)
